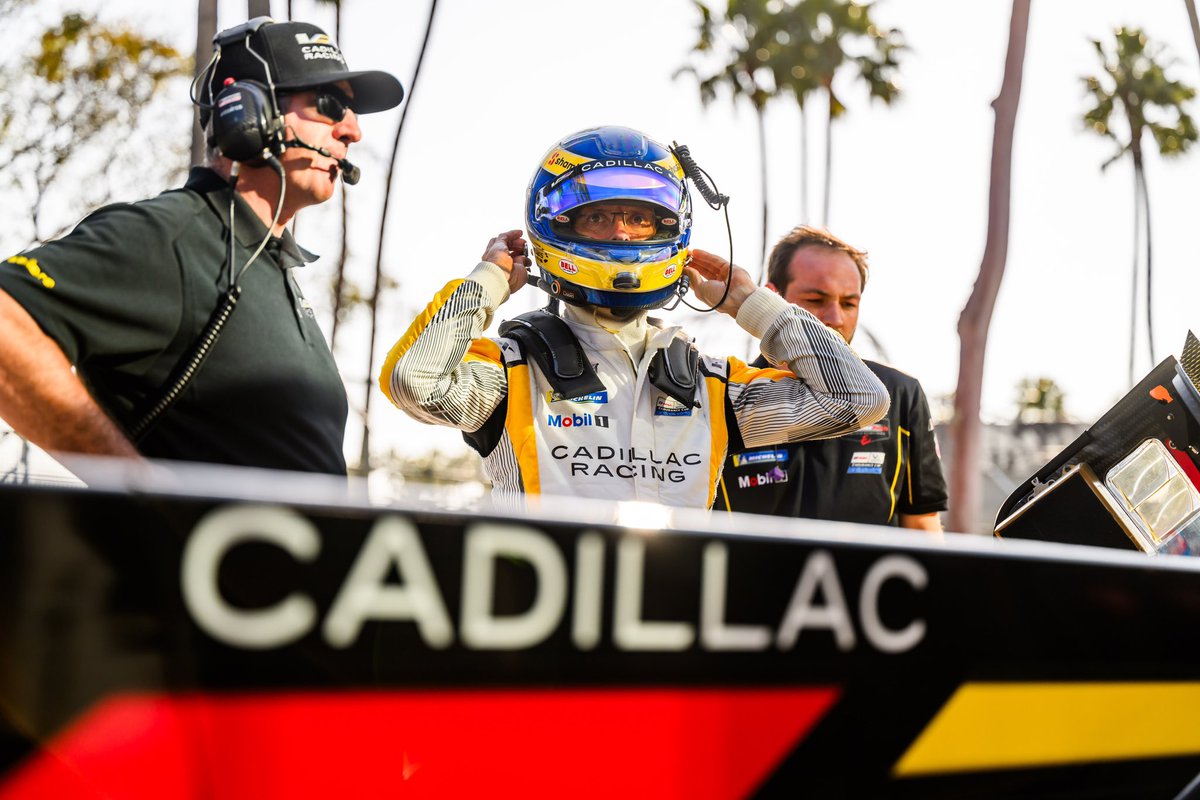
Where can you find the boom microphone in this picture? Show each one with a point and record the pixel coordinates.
(350, 173)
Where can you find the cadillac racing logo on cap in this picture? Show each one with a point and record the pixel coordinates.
(319, 46)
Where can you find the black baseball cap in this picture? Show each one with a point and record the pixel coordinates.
(300, 56)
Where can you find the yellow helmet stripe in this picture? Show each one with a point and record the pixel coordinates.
(671, 165)
(599, 274)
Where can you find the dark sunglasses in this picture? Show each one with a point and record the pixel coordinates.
(331, 102)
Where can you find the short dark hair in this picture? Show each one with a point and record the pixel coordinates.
(809, 236)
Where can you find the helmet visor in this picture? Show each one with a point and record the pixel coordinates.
(648, 184)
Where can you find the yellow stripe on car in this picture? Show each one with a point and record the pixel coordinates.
(996, 726)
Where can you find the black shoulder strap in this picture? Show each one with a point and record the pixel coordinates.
(553, 346)
(675, 370)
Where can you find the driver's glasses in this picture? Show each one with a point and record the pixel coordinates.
(599, 223)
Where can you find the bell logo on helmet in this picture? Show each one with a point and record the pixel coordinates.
(669, 272)
(567, 267)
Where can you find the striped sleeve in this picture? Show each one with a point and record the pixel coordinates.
(819, 387)
(441, 371)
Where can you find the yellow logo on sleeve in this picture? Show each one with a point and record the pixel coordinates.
(34, 269)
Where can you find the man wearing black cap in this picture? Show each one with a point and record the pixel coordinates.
(109, 345)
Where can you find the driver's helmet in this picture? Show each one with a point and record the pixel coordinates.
(584, 186)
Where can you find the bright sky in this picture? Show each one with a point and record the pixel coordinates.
(503, 81)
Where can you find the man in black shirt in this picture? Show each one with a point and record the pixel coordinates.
(99, 324)
(889, 473)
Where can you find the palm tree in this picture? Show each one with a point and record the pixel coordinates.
(976, 317)
(795, 75)
(206, 29)
(744, 45)
(1134, 83)
(364, 459)
(816, 33)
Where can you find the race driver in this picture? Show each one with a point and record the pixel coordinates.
(591, 397)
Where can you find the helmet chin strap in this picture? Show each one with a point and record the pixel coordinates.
(618, 314)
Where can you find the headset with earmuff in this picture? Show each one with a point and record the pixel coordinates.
(246, 122)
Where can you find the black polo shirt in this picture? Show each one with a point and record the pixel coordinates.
(126, 294)
(873, 475)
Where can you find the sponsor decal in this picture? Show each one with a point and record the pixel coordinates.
(760, 457)
(318, 52)
(232, 98)
(768, 478)
(670, 271)
(595, 398)
(714, 366)
(670, 407)
(576, 420)
(34, 269)
(863, 463)
(563, 218)
(562, 178)
(878, 432)
(313, 38)
(567, 266)
(627, 463)
(625, 162)
(558, 160)
(669, 221)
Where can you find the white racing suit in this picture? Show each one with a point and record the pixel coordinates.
(630, 441)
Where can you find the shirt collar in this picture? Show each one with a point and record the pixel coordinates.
(248, 228)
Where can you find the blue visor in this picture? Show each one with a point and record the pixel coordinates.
(645, 182)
